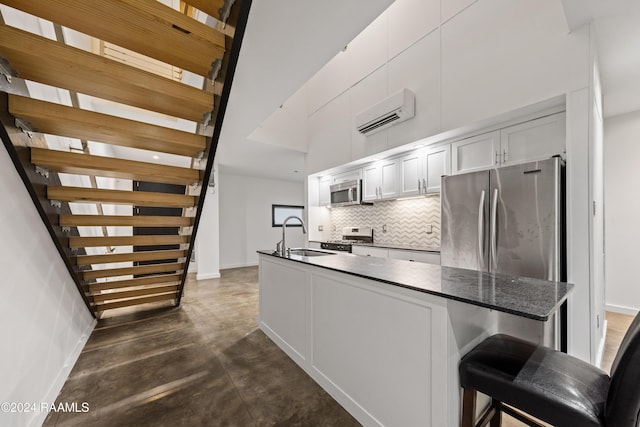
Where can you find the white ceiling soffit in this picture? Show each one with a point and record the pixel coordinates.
(617, 28)
(285, 44)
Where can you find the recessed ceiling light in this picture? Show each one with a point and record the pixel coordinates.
(155, 157)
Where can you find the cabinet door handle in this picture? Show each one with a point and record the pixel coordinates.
(424, 185)
(497, 157)
(505, 154)
(419, 186)
(380, 188)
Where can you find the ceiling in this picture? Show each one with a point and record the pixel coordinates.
(285, 44)
(288, 41)
(276, 60)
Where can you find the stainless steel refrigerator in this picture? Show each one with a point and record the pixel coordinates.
(506, 220)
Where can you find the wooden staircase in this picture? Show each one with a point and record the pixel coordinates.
(141, 254)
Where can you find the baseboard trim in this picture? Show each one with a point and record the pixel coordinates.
(248, 264)
(600, 352)
(621, 309)
(208, 276)
(63, 374)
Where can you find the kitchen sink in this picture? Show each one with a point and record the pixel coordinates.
(309, 252)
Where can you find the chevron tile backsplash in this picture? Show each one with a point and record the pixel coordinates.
(407, 221)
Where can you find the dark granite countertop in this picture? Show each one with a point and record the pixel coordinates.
(402, 247)
(532, 298)
(433, 249)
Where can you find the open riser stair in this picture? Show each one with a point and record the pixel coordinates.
(119, 164)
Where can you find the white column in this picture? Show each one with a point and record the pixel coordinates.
(208, 240)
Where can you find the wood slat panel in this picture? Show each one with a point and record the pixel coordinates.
(135, 301)
(130, 256)
(46, 61)
(144, 26)
(84, 164)
(56, 119)
(83, 242)
(138, 198)
(126, 271)
(100, 298)
(125, 221)
(139, 281)
(210, 7)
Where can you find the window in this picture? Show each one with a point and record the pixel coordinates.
(280, 212)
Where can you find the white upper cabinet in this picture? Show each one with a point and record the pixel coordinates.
(371, 182)
(411, 173)
(475, 153)
(529, 141)
(324, 195)
(347, 176)
(420, 171)
(368, 51)
(534, 140)
(409, 21)
(380, 180)
(418, 69)
(438, 163)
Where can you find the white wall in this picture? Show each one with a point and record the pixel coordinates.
(44, 323)
(622, 210)
(245, 217)
(208, 238)
(482, 59)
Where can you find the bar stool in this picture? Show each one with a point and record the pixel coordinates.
(551, 386)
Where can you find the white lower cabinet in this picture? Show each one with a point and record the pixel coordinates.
(370, 251)
(417, 256)
(389, 355)
(403, 254)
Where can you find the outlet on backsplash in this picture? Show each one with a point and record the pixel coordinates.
(406, 222)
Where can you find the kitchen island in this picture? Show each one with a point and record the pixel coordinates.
(384, 337)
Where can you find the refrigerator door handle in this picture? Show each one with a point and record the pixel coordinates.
(481, 230)
(494, 232)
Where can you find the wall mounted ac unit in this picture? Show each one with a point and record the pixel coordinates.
(395, 109)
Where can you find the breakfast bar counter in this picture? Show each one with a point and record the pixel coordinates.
(384, 337)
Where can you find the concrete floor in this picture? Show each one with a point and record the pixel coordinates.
(205, 363)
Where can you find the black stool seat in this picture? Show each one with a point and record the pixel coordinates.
(552, 386)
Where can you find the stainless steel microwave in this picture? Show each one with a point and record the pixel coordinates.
(346, 193)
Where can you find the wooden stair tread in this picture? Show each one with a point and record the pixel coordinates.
(57, 119)
(138, 198)
(135, 301)
(130, 256)
(83, 242)
(85, 164)
(125, 221)
(138, 281)
(111, 296)
(146, 27)
(139, 269)
(46, 61)
(210, 7)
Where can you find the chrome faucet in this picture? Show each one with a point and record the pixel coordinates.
(281, 247)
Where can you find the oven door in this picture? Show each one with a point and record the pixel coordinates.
(346, 193)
